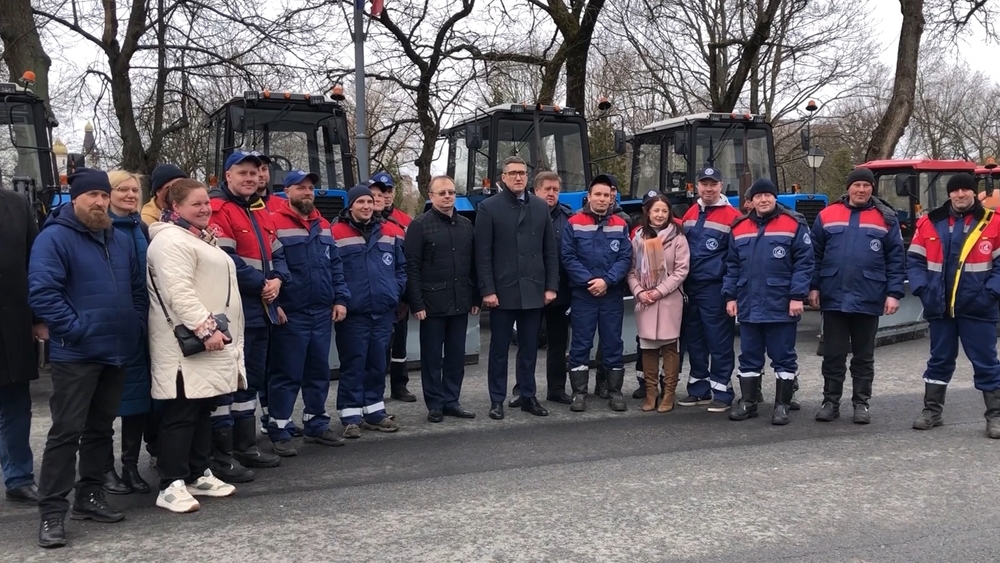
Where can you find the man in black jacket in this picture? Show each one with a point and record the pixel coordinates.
(18, 366)
(517, 264)
(441, 290)
(547, 186)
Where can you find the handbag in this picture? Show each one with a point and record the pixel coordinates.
(189, 342)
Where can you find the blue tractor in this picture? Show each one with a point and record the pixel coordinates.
(667, 154)
(297, 131)
(546, 137)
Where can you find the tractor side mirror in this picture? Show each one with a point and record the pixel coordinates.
(904, 183)
(236, 119)
(619, 141)
(473, 137)
(680, 143)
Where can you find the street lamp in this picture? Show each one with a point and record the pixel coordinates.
(814, 158)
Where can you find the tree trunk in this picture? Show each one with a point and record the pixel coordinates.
(897, 116)
(576, 74)
(429, 129)
(23, 47)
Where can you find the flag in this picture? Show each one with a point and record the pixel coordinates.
(376, 10)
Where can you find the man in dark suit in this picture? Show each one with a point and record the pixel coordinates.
(18, 366)
(517, 264)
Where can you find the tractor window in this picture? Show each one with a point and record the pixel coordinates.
(742, 155)
(933, 192)
(561, 148)
(303, 140)
(887, 191)
(481, 173)
(649, 159)
(19, 158)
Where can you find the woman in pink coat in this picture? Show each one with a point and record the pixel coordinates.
(660, 260)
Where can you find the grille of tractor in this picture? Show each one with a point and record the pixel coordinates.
(809, 208)
(329, 206)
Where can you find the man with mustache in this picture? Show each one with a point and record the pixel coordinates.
(315, 297)
(85, 283)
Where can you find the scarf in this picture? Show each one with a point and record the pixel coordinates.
(207, 235)
(649, 263)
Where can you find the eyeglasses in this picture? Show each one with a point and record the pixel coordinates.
(128, 190)
(516, 173)
(444, 192)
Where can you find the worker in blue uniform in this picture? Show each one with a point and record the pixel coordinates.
(954, 268)
(597, 254)
(375, 270)
(768, 272)
(316, 296)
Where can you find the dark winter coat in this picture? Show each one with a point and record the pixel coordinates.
(18, 230)
(560, 215)
(136, 392)
(88, 289)
(440, 265)
(516, 254)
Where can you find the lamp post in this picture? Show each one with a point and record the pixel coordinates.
(814, 158)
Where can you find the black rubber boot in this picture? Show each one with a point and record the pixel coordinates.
(749, 393)
(832, 392)
(616, 378)
(783, 391)
(578, 383)
(245, 448)
(222, 464)
(601, 384)
(992, 399)
(933, 407)
(793, 404)
(862, 393)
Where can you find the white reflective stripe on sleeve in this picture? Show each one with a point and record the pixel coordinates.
(982, 267)
(323, 232)
(718, 226)
(917, 249)
(221, 410)
(371, 409)
(247, 406)
(386, 239)
(933, 266)
(784, 375)
(344, 413)
(282, 233)
(935, 381)
(750, 374)
(275, 245)
(996, 253)
(226, 242)
(253, 263)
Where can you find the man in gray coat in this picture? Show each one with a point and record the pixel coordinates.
(517, 264)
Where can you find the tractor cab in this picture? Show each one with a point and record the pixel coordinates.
(27, 163)
(914, 187)
(546, 137)
(666, 156)
(297, 132)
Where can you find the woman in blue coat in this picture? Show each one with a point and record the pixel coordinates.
(136, 406)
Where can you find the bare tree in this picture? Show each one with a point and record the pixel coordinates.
(422, 50)
(22, 46)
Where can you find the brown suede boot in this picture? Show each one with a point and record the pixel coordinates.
(651, 373)
(671, 366)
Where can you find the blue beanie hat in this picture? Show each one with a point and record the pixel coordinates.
(762, 186)
(357, 191)
(87, 180)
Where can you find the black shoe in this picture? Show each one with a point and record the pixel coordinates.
(559, 397)
(601, 385)
(640, 393)
(496, 411)
(93, 506)
(861, 415)
(514, 402)
(114, 485)
(458, 412)
(434, 415)
(325, 438)
(532, 405)
(402, 394)
(51, 532)
(222, 463)
(783, 390)
(933, 407)
(750, 393)
(28, 494)
(245, 448)
(132, 479)
(284, 448)
(615, 379)
(828, 412)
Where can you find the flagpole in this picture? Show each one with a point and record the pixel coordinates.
(360, 123)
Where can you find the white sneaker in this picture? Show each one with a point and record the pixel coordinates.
(209, 485)
(176, 498)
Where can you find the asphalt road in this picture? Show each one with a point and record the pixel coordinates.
(597, 486)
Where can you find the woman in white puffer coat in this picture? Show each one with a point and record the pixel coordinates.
(186, 281)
